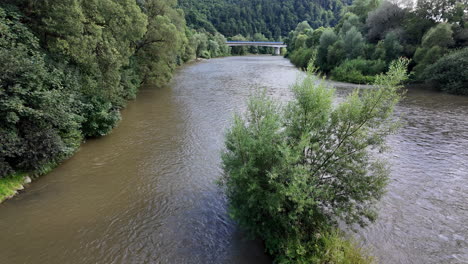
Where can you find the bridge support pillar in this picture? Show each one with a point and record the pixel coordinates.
(277, 51)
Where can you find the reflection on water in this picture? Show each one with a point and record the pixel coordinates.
(147, 192)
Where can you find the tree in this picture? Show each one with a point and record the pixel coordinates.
(314, 39)
(293, 173)
(158, 51)
(327, 39)
(200, 41)
(362, 8)
(387, 17)
(69, 66)
(450, 72)
(440, 35)
(273, 19)
(435, 43)
(242, 50)
(348, 21)
(439, 10)
(353, 43)
(39, 119)
(392, 46)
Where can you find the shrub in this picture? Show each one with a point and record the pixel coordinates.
(450, 72)
(301, 57)
(292, 173)
(100, 117)
(358, 71)
(335, 249)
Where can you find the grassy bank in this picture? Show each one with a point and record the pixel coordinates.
(10, 186)
(334, 247)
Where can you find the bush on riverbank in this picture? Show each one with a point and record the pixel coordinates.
(358, 71)
(9, 185)
(450, 72)
(292, 173)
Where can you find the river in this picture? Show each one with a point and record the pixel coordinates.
(147, 193)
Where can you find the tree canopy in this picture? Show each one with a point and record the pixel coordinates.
(272, 18)
(69, 66)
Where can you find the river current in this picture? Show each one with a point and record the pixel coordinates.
(147, 193)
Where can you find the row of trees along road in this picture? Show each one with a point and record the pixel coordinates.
(69, 66)
(372, 33)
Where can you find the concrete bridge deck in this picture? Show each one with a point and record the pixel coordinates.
(276, 45)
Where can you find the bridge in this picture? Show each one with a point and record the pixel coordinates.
(276, 45)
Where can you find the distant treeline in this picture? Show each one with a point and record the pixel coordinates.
(68, 67)
(372, 33)
(272, 18)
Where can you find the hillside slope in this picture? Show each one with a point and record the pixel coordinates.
(273, 18)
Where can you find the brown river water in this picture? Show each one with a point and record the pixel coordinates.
(147, 193)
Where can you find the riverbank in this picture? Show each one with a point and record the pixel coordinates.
(12, 185)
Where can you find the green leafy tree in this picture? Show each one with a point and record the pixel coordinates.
(349, 21)
(362, 8)
(327, 39)
(353, 43)
(242, 50)
(440, 10)
(387, 17)
(291, 174)
(435, 44)
(161, 47)
(392, 46)
(39, 119)
(440, 35)
(450, 72)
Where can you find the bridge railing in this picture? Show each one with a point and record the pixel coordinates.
(256, 42)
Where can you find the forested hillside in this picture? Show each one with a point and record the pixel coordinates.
(272, 18)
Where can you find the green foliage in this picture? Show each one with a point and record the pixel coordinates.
(9, 186)
(450, 72)
(69, 66)
(274, 19)
(100, 116)
(440, 35)
(327, 40)
(441, 10)
(353, 43)
(292, 173)
(39, 120)
(241, 50)
(373, 31)
(301, 57)
(435, 44)
(335, 249)
(358, 71)
(386, 18)
(362, 8)
(392, 46)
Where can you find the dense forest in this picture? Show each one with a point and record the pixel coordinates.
(272, 18)
(68, 67)
(372, 33)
